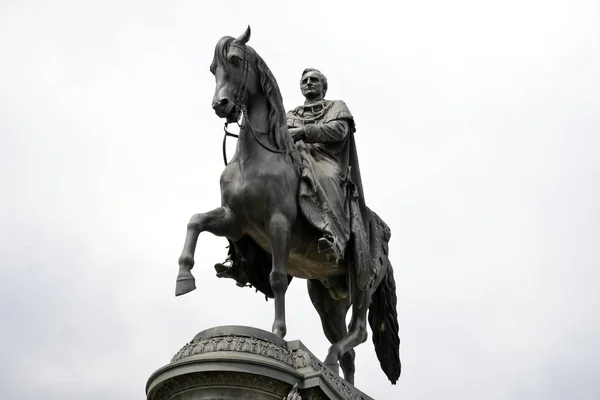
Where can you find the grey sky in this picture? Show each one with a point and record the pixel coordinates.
(478, 133)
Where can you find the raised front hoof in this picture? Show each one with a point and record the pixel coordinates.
(184, 285)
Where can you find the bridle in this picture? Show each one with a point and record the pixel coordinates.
(240, 107)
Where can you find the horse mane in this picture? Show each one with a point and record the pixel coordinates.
(278, 131)
(277, 118)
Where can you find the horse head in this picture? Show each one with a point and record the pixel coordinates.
(234, 70)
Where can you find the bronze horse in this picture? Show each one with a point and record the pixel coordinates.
(259, 197)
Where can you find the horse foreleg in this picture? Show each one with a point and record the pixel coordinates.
(279, 235)
(219, 222)
(357, 332)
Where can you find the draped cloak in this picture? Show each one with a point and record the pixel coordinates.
(331, 199)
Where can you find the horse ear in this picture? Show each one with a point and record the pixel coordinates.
(245, 37)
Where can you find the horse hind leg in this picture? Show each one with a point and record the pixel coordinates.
(357, 332)
(219, 222)
(333, 319)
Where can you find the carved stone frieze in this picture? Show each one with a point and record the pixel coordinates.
(302, 365)
(242, 344)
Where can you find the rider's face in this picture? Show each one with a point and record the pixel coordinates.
(312, 86)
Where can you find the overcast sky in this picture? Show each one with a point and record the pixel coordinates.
(478, 135)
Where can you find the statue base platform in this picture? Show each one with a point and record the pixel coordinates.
(238, 362)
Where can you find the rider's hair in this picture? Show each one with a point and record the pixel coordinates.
(323, 78)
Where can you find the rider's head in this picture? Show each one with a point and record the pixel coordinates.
(313, 85)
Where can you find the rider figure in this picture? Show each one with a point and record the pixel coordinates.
(321, 129)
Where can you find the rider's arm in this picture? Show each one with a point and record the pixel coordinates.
(331, 132)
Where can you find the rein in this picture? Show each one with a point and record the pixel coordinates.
(249, 127)
(225, 141)
(240, 99)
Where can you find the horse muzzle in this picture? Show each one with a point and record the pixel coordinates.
(223, 108)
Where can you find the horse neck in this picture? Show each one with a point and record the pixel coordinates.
(257, 111)
(257, 116)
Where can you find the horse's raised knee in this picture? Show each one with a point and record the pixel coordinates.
(194, 223)
(192, 226)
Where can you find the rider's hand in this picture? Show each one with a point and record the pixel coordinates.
(297, 133)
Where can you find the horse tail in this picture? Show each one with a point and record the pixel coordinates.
(383, 319)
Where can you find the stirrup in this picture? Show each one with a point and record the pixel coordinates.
(325, 245)
(224, 271)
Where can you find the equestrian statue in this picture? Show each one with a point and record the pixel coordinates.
(292, 205)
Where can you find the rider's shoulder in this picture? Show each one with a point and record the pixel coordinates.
(339, 110)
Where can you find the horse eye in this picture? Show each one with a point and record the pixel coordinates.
(235, 60)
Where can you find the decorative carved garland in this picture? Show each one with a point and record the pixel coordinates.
(242, 344)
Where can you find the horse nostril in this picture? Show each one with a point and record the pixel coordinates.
(220, 103)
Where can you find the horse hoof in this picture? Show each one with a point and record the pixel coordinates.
(184, 285)
(279, 329)
(349, 378)
(335, 367)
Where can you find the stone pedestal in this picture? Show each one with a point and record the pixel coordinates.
(236, 362)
